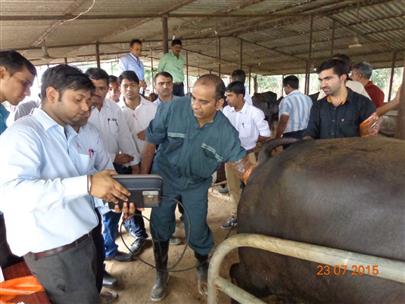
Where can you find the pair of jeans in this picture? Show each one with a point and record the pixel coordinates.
(135, 225)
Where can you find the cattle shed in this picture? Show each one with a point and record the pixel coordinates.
(264, 37)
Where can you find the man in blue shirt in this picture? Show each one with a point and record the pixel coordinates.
(194, 138)
(132, 62)
(16, 77)
(45, 184)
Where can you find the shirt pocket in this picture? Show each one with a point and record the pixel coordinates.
(113, 126)
(85, 164)
(209, 162)
(172, 149)
(245, 129)
(348, 126)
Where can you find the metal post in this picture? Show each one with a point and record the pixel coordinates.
(165, 29)
(219, 56)
(387, 269)
(255, 89)
(250, 77)
(394, 59)
(282, 80)
(401, 112)
(187, 80)
(241, 54)
(332, 40)
(98, 54)
(308, 64)
(65, 60)
(151, 70)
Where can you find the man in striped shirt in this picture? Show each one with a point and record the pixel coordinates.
(294, 110)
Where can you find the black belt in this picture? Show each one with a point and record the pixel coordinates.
(46, 253)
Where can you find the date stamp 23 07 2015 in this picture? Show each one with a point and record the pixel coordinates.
(353, 270)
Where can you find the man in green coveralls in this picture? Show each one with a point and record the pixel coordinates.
(194, 138)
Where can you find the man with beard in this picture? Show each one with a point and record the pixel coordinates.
(342, 112)
(45, 185)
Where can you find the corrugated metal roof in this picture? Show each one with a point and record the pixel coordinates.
(275, 33)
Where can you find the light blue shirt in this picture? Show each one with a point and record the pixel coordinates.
(89, 142)
(3, 118)
(297, 107)
(43, 186)
(130, 62)
(158, 101)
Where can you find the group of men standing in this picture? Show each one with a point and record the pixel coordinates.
(57, 164)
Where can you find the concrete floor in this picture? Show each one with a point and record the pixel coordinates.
(136, 278)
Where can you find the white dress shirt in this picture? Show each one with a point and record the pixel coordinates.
(138, 120)
(249, 122)
(111, 124)
(43, 192)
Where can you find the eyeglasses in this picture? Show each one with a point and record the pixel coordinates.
(24, 82)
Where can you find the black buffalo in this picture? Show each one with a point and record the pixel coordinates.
(347, 194)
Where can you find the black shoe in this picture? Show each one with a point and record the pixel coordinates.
(120, 257)
(108, 280)
(159, 289)
(230, 223)
(137, 245)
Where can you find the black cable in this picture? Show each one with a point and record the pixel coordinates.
(172, 268)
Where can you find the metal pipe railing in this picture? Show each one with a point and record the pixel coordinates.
(388, 269)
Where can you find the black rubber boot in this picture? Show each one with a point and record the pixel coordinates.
(202, 273)
(159, 289)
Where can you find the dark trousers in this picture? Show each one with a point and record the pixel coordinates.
(69, 276)
(178, 89)
(6, 257)
(100, 254)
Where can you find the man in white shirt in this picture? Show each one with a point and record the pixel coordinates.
(109, 120)
(42, 185)
(294, 110)
(138, 113)
(252, 128)
(240, 75)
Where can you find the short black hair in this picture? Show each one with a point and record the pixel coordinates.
(292, 81)
(238, 75)
(164, 74)
(216, 81)
(112, 79)
(133, 41)
(63, 77)
(339, 67)
(15, 62)
(97, 74)
(236, 87)
(129, 75)
(176, 42)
